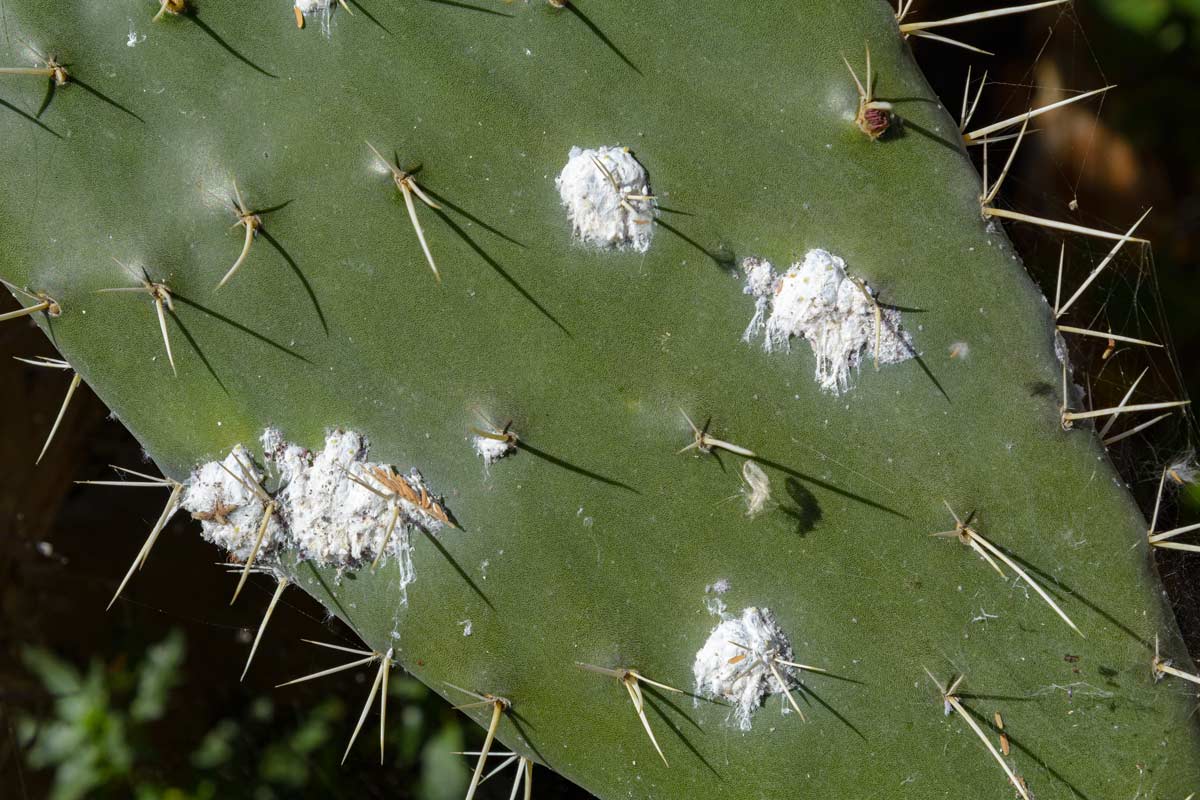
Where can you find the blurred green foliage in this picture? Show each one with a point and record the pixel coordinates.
(1172, 23)
(89, 740)
(100, 732)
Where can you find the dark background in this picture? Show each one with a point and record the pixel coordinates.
(64, 548)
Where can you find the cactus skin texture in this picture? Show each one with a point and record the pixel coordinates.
(743, 115)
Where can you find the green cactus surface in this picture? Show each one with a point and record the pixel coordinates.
(598, 541)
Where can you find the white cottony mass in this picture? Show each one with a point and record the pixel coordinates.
(838, 314)
(737, 663)
(607, 197)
